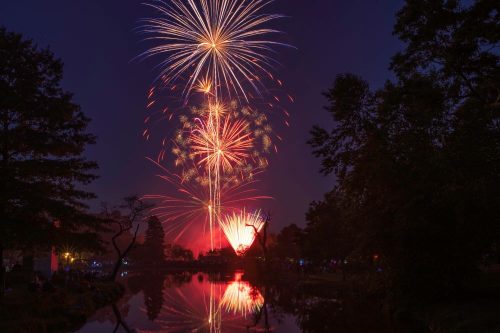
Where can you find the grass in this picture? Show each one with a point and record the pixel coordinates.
(62, 310)
(474, 310)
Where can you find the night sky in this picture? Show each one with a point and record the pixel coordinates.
(96, 41)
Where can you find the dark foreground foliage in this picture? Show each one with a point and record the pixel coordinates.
(43, 135)
(418, 161)
(61, 309)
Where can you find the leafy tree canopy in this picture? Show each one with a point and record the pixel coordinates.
(42, 140)
(418, 161)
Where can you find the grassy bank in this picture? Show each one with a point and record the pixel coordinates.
(475, 309)
(60, 310)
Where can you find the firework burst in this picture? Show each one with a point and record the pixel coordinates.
(225, 137)
(221, 42)
(218, 49)
(228, 146)
(241, 229)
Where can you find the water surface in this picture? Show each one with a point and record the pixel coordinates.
(229, 302)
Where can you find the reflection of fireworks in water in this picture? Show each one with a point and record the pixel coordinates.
(241, 229)
(181, 313)
(191, 203)
(197, 308)
(213, 42)
(241, 298)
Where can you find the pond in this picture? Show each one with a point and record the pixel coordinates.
(229, 302)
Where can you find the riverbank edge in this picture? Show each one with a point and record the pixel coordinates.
(474, 310)
(60, 311)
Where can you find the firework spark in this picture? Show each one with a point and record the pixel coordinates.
(241, 229)
(223, 40)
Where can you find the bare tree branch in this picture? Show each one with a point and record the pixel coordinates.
(262, 239)
(136, 209)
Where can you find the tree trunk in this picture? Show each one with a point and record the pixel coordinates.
(116, 269)
(2, 272)
(120, 321)
(266, 316)
(28, 263)
(262, 239)
(121, 255)
(3, 187)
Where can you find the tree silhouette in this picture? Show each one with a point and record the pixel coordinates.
(42, 139)
(125, 222)
(153, 286)
(417, 162)
(153, 249)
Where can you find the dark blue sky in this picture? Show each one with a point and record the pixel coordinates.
(96, 41)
